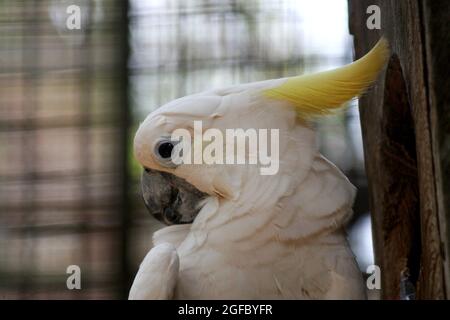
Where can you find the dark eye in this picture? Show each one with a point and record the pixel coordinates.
(165, 150)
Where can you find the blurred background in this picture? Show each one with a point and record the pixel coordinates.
(71, 100)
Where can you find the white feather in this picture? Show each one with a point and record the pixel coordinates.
(157, 275)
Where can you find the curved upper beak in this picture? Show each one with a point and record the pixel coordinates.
(169, 198)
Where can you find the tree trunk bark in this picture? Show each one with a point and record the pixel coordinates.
(405, 123)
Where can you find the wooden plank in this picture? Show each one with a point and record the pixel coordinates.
(398, 152)
(436, 15)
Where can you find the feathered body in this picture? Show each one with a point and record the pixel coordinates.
(260, 236)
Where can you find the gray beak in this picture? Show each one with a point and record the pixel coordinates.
(170, 199)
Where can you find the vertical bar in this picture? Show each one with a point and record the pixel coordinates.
(28, 131)
(125, 121)
(84, 88)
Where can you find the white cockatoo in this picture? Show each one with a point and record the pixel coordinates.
(236, 233)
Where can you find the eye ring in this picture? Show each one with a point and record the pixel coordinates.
(163, 152)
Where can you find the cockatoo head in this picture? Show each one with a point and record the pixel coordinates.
(175, 192)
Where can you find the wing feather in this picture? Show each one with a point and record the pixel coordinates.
(157, 274)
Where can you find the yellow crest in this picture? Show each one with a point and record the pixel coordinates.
(322, 93)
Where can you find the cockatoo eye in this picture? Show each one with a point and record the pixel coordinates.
(163, 152)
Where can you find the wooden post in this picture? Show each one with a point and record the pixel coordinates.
(406, 132)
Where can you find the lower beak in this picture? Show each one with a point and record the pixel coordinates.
(169, 198)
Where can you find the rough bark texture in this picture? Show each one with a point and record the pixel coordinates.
(406, 131)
